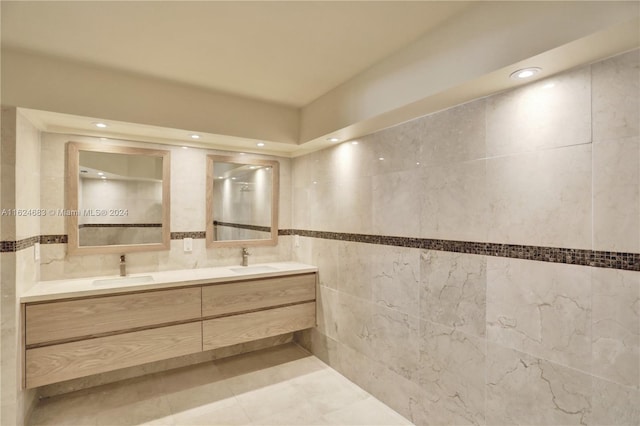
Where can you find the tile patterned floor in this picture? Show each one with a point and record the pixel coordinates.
(279, 386)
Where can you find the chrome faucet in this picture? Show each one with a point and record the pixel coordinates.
(245, 256)
(123, 266)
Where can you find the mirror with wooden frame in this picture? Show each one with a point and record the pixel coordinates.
(118, 199)
(242, 201)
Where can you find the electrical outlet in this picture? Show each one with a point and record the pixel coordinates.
(36, 251)
(188, 245)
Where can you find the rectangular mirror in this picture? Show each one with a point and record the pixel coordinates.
(242, 202)
(117, 199)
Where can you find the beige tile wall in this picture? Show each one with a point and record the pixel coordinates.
(19, 271)
(451, 338)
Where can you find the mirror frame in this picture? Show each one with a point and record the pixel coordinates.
(72, 186)
(275, 191)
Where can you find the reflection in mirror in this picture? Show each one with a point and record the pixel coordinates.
(129, 189)
(243, 199)
(121, 199)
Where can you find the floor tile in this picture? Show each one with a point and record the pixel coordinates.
(369, 411)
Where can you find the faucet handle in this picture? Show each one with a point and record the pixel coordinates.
(122, 258)
(245, 251)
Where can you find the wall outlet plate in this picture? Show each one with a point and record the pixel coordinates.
(36, 251)
(188, 245)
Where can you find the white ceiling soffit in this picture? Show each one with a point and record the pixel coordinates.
(283, 52)
(70, 124)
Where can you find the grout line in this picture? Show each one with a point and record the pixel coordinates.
(550, 148)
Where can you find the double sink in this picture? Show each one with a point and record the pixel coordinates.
(141, 279)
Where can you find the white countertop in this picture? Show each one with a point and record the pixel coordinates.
(81, 287)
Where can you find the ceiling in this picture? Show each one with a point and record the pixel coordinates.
(293, 74)
(288, 53)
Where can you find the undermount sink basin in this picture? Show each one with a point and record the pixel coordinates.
(125, 280)
(253, 269)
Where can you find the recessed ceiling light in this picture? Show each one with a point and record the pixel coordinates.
(103, 177)
(333, 139)
(253, 167)
(194, 136)
(185, 147)
(354, 143)
(260, 144)
(525, 73)
(103, 139)
(233, 178)
(220, 177)
(242, 153)
(100, 174)
(381, 158)
(100, 124)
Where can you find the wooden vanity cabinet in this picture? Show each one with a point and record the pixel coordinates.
(67, 339)
(234, 329)
(55, 363)
(222, 299)
(241, 311)
(71, 338)
(82, 318)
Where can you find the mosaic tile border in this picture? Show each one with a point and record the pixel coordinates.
(183, 235)
(244, 226)
(596, 258)
(13, 246)
(54, 239)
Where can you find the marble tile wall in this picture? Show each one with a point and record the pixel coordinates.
(457, 338)
(18, 271)
(2, 135)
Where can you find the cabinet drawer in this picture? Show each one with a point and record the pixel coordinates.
(66, 361)
(226, 331)
(256, 294)
(56, 321)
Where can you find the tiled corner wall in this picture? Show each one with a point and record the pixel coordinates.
(20, 186)
(467, 337)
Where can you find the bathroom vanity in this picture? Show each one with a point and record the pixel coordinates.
(75, 328)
